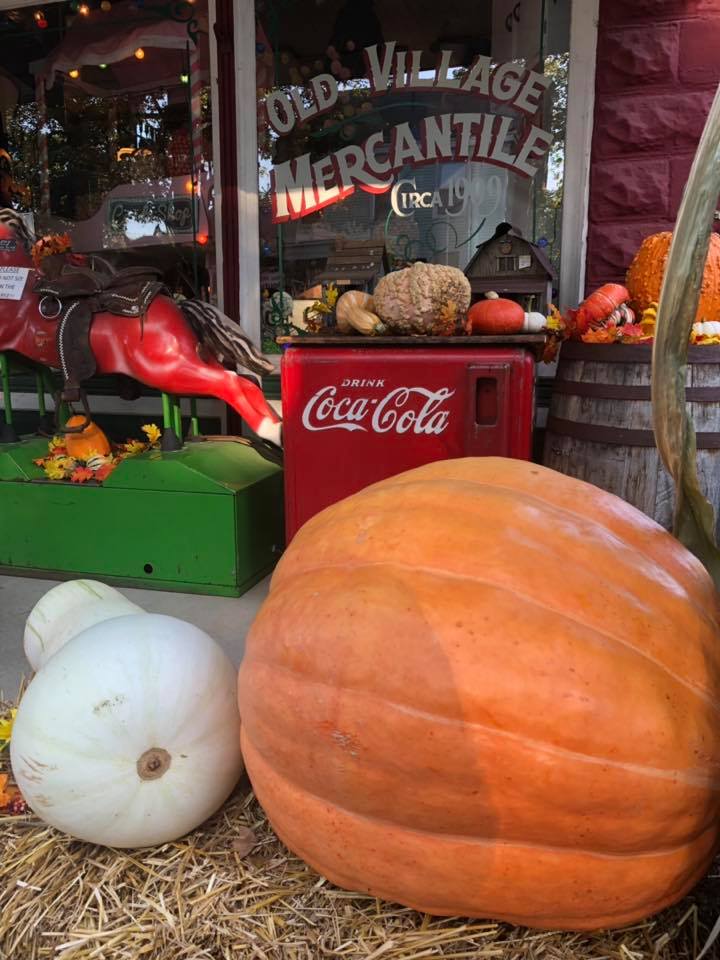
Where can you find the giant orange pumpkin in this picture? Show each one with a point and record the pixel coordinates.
(645, 275)
(487, 689)
(88, 441)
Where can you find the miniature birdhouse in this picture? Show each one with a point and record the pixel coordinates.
(513, 267)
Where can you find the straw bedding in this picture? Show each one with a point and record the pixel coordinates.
(231, 890)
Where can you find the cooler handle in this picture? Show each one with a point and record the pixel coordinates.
(487, 430)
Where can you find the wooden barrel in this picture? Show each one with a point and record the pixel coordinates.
(600, 424)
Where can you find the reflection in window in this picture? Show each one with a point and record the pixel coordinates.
(389, 134)
(105, 132)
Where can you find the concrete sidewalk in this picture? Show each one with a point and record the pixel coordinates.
(226, 619)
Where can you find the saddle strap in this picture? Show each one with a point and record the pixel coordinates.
(73, 336)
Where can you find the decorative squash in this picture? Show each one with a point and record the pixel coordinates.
(534, 322)
(365, 322)
(412, 300)
(493, 740)
(128, 735)
(646, 272)
(352, 299)
(84, 444)
(496, 315)
(599, 307)
(66, 610)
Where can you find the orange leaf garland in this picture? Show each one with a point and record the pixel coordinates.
(82, 475)
(104, 472)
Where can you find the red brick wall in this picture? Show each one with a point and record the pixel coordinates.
(658, 64)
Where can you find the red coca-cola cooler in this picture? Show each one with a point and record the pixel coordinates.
(355, 414)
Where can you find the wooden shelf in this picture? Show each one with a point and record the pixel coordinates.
(532, 340)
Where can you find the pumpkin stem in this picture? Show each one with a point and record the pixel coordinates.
(153, 763)
(694, 520)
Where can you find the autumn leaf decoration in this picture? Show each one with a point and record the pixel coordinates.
(446, 324)
(6, 725)
(81, 474)
(152, 432)
(51, 245)
(57, 465)
(11, 801)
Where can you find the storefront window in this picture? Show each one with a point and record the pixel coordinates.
(390, 133)
(105, 132)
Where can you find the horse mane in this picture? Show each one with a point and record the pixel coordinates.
(13, 221)
(224, 338)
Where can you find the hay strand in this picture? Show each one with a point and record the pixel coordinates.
(231, 891)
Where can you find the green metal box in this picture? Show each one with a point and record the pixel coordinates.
(207, 519)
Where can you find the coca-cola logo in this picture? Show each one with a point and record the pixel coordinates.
(401, 410)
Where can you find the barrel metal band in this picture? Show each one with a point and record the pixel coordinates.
(615, 391)
(640, 354)
(619, 436)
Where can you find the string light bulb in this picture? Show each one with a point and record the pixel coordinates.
(74, 73)
(184, 78)
(103, 66)
(139, 54)
(84, 10)
(105, 6)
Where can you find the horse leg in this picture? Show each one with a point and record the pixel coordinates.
(248, 399)
(243, 395)
(8, 433)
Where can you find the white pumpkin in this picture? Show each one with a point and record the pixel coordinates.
(66, 610)
(130, 735)
(707, 328)
(534, 322)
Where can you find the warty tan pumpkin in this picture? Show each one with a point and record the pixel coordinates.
(483, 688)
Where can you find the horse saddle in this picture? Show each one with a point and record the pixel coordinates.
(75, 294)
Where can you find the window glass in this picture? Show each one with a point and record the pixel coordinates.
(390, 132)
(105, 132)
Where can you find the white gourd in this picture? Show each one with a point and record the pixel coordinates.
(66, 610)
(534, 322)
(707, 328)
(129, 735)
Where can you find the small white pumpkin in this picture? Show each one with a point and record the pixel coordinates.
(707, 328)
(534, 322)
(129, 735)
(66, 610)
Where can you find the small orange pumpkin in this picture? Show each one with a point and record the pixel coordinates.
(90, 440)
(496, 315)
(645, 275)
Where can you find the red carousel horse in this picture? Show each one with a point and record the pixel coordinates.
(179, 350)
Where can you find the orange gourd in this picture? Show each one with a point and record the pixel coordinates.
(483, 688)
(645, 275)
(496, 316)
(88, 441)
